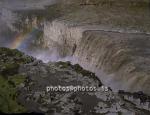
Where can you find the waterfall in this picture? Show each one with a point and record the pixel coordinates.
(117, 57)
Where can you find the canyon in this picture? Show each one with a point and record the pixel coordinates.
(109, 39)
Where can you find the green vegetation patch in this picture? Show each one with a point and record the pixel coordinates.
(10, 79)
(8, 95)
(17, 79)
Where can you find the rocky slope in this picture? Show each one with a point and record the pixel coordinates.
(23, 87)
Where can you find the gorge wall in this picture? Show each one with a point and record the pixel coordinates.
(62, 37)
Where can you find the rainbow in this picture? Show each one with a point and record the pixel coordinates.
(19, 39)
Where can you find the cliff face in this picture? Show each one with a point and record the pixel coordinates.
(113, 43)
(62, 37)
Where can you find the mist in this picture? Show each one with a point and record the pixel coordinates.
(8, 34)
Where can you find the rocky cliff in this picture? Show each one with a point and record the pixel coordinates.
(24, 81)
